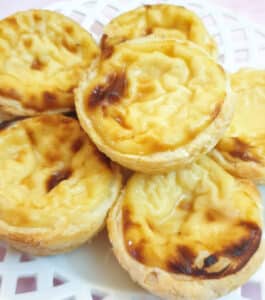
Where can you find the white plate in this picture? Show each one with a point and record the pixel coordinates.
(91, 272)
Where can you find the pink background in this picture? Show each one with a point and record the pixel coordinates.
(252, 9)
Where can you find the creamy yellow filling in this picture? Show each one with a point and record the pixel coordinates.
(51, 175)
(153, 96)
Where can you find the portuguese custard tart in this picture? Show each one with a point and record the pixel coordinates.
(242, 149)
(192, 234)
(55, 187)
(154, 104)
(42, 57)
(161, 20)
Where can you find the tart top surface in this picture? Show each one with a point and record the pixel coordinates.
(150, 96)
(199, 221)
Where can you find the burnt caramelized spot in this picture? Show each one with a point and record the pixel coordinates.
(184, 263)
(186, 206)
(134, 249)
(31, 136)
(103, 158)
(12, 21)
(71, 114)
(148, 31)
(213, 215)
(209, 261)
(27, 43)
(241, 151)
(10, 93)
(217, 110)
(239, 253)
(8, 123)
(122, 122)
(77, 144)
(56, 178)
(37, 17)
(70, 47)
(109, 93)
(148, 6)
(247, 246)
(49, 99)
(37, 64)
(106, 49)
(69, 29)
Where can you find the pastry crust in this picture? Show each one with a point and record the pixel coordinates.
(42, 57)
(154, 105)
(144, 242)
(241, 150)
(161, 20)
(56, 187)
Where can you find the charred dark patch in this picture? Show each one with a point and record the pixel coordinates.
(37, 64)
(148, 31)
(52, 157)
(209, 261)
(247, 246)
(239, 253)
(8, 123)
(213, 215)
(185, 261)
(70, 47)
(12, 21)
(122, 122)
(56, 178)
(217, 110)
(136, 251)
(37, 18)
(104, 159)
(105, 47)
(71, 114)
(77, 144)
(148, 6)
(185, 205)
(27, 43)
(31, 136)
(49, 99)
(10, 93)
(69, 29)
(109, 93)
(241, 151)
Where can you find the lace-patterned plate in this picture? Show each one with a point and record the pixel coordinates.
(91, 272)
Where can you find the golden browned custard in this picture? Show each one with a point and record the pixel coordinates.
(154, 97)
(162, 20)
(199, 221)
(56, 187)
(242, 149)
(42, 57)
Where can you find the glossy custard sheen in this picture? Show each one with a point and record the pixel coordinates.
(199, 221)
(245, 138)
(151, 96)
(52, 176)
(162, 20)
(42, 57)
